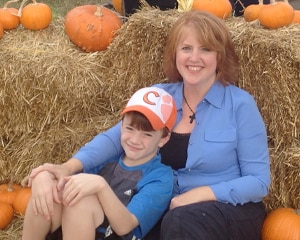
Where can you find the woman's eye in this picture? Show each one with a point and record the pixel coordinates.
(186, 48)
(205, 49)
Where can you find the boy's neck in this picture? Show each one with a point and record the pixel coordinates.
(136, 162)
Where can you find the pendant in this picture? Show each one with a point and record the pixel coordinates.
(192, 117)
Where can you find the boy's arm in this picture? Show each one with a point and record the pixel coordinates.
(121, 220)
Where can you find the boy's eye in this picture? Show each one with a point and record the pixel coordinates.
(147, 134)
(129, 128)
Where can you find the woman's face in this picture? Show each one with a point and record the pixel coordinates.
(195, 63)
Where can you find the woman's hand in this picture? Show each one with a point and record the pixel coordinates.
(59, 171)
(199, 194)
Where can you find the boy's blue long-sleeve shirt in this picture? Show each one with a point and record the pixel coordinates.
(227, 150)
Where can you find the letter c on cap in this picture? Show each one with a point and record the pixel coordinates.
(146, 97)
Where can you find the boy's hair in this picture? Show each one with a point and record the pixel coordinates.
(156, 105)
(140, 122)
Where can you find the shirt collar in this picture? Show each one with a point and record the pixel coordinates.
(214, 96)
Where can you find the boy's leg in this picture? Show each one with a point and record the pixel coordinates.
(36, 226)
(81, 220)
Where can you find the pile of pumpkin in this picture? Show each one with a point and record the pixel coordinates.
(273, 15)
(89, 27)
(34, 16)
(13, 200)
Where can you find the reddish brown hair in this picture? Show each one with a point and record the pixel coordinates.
(213, 35)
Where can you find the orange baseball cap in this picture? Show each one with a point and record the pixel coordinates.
(156, 105)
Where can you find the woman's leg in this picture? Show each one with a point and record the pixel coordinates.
(215, 221)
(37, 227)
(80, 221)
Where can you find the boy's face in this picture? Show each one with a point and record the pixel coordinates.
(139, 146)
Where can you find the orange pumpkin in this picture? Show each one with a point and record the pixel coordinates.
(276, 14)
(6, 214)
(8, 16)
(8, 192)
(35, 16)
(91, 27)
(297, 17)
(282, 224)
(251, 12)
(21, 200)
(118, 5)
(220, 8)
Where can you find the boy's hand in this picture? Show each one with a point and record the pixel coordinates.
(80, 185)
(43, 194)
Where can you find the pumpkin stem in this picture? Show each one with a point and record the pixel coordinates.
(21, 8)
(297, 211)
(260, 2)
(10, 186)
(98, 12)
(24, 182)
(9, 2)
(144, 4)
(272, 2)
(185, 5)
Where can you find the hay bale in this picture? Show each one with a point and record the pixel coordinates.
(270, 63)
(55, 145)
(14, 230)
(46, 81)
(52, 93)
(49, 81)
(284, 189)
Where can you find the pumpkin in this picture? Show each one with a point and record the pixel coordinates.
(8, 192)
(6, 214)
(296, 16)
(91, 28)
(251, 12)
(118, 5)
(35, 16)
(282, 224)
(8, 16)
(276, 14)
(220, 8)
(21, 200)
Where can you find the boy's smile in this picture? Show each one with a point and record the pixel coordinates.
(139, 146)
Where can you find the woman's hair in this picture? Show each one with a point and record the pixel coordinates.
(140, 122)
(213, 34)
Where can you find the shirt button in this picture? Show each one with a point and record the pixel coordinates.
(189, 169)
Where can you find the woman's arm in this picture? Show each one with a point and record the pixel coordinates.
(104, 147)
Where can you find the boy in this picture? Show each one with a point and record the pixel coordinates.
(129, 195)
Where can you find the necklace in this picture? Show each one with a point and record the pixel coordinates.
(193, 116)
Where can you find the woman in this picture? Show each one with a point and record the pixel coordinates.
(218, 147)
(222, 164)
